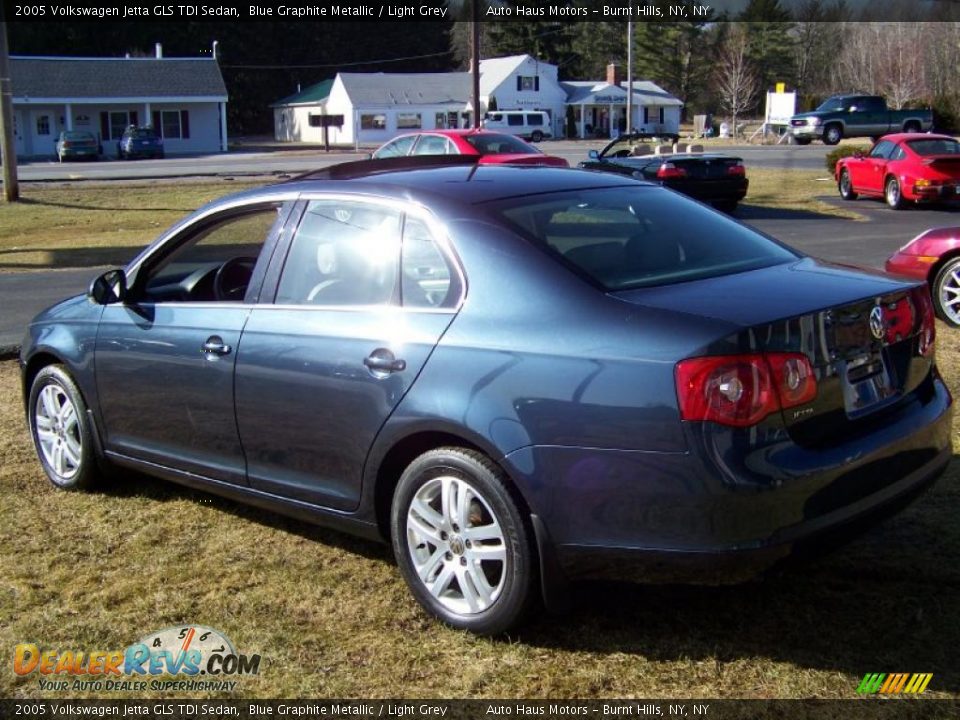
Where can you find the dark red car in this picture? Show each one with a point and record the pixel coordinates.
(934, 256)
(918, 167)
(493, 148)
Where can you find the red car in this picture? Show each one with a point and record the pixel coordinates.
(490, 146)
(902, 167)
(934, 256)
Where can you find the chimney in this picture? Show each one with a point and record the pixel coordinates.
(613, 74)
(158, 48)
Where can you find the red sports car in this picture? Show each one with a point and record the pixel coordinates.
(490, 146)
(901, 167)
(934, 256)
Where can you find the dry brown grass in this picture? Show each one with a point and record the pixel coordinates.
(332, 618)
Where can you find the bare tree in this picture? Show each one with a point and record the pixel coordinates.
(737, 82)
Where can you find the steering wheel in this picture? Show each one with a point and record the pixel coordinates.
(232, 278)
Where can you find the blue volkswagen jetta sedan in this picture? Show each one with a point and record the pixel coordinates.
(517, 376)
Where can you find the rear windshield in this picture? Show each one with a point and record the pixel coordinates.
(935, 146)
(495, 144)
(142, 133)
(78, 136)
(633, 237)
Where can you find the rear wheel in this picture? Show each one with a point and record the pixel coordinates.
(536, 136)
(893, 194)
(911, 127)
(832, 134)
(846, 186)
(461, 542)
(61, 430)
(946, 292)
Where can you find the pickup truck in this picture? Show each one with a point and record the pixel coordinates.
(843, 116)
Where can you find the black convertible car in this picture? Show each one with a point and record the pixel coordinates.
(719, 180)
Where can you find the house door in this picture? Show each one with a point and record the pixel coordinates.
(19, 146)
(44, 133)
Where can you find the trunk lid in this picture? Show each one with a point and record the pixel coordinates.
(861, 330)
(705, 167)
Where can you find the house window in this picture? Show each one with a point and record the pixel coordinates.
(440, 120)
(406, 121)
(170, 122)
(661, 116)
(373, 122)
(43, 125)
(528, 82)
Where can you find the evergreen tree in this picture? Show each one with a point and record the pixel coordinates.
(771, 48)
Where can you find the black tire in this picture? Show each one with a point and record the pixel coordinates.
(845, 186)
(451, 555)
(727, 206)
(945, 278)
(832, 134)
(911, 127)
(63, 440)
(536, 136)
(801, 140)
(893, 194)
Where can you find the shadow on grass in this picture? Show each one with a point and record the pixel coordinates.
(748, 212)
(75, 206)
(886, 603)
(69, 257)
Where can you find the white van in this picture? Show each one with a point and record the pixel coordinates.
(529, 124)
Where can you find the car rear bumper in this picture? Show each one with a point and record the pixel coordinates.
(712, 191)
(681, 517)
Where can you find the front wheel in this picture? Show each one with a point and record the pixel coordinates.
(60, 429)
(801, 140)
(460, 541)
(946, 292)
(846, 186)
(832, 134)
(893, 194)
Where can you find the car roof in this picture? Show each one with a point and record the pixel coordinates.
(457, 179)
(900, 137)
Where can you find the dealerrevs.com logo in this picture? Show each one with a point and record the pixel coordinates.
(200, 658)
(894, 683)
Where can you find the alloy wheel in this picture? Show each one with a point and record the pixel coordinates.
(58, 431)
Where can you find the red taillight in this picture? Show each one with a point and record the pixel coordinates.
(741, 390)
(668, 170)
(927, 334)
(736, 169)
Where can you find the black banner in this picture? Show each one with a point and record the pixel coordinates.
(861, 709)
(460, 10)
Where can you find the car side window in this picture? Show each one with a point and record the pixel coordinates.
(396, 148)
(344, 253)
(433, 145)
(898, 153)
(515, 119)
(882, 150)
(216, 261)
(428, 278)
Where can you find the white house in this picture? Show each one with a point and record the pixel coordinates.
(521, 82)
(372, 108)
(185, 100)
(601, 106)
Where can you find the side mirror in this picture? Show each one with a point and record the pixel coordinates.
(593, 155)
(109, 288)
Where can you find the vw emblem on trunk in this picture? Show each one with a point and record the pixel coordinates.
(877, 326)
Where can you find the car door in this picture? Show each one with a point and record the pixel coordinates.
(875, 167)
(165, 356)
(320, 369)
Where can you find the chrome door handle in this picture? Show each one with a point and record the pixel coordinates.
(382, 360)
(215, 346)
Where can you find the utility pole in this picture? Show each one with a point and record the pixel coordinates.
(475, 59)
(629, 76)
(8, 155)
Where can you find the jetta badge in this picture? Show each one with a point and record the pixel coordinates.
(876, 322)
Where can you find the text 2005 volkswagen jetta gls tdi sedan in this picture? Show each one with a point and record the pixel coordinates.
(516, 375)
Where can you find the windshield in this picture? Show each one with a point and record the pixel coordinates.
(625, 238)
(934, 146)
(496, 144)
